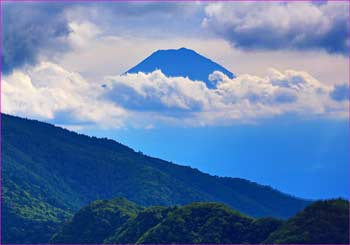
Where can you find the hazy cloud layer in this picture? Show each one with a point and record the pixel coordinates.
(49, 92)
(271, 26)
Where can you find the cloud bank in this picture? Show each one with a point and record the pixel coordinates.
(49, 92)
(246, 98)
(273, 26)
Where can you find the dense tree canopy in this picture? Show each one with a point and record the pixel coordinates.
(118, 221)
(322, 222)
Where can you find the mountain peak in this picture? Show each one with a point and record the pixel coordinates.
(181, 62)
(179, 50)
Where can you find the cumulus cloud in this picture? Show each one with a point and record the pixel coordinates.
(271, 26)
(49, 92)
(245, 98)
(30, 31)
(156, 92)
(82, 34)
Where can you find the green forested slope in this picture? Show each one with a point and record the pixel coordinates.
(120, 222)
(206, 223)
(131, 231)
(99, 220)
(323, 222)
(49, 173)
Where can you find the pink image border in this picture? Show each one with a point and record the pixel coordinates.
(154, 1)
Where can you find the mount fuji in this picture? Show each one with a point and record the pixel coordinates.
(181, 62)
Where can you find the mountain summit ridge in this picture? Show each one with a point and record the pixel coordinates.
(182, 62)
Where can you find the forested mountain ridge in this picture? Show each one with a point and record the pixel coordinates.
(323, 222)
(95, 222)
(49, 173)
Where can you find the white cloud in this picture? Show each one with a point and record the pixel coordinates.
(273, 26)
(242, 99)
(82, 33)
(156, 92)
(51, 93)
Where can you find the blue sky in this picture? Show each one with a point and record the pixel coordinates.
(282, 121)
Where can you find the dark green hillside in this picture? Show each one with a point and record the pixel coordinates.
(49, 173)
(31, 208)
(26, 229)
(121, 222)
(323, 222)
(116, 222)
(135, 228)
(207, 223)
(97, 221)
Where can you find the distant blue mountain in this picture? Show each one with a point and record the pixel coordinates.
(181, 62)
